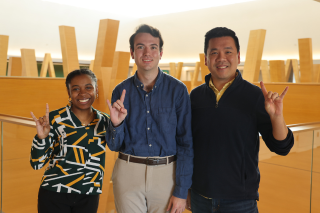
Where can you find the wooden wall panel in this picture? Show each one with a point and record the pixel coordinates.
(91, 65)
(195, 76)
(179, 70)
(69, 49)
(288, 69)
(23, 95)
(251, 68)
(106, 43)
(15, 66)
(296, 71)
(172, 69)
(204, 69)
(316, 71)
(134, 69)
(119, 70)
(300, 104)
(265, 71)
(277, 71)
(4, 43)
(306, 60)
(47, 65)
(29, 63)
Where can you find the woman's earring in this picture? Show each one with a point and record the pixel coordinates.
(97, 96)
(70, 100)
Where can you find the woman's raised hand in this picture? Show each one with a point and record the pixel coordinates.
(42, 124)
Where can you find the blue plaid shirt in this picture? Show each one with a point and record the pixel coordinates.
(158, 124)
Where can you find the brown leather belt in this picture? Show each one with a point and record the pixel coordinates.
(148, 161)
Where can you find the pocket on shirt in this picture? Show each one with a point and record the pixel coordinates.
(167, 119)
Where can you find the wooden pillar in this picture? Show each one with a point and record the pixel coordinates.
(195, 76)
(106, 45)
(179, 70)
(4, 42)
(120, 69)
(15, 66)
(134, 69)
(306, 60)
(69, 49)
(251, 68)
(265, 71)
(29, 63)
(316, 69)
(204, 69)
(277, 71)
(91, 65)
(288, 69)
(47, 64)
(295, 69)
(172, 71)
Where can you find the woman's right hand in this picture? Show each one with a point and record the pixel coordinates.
(42, 125)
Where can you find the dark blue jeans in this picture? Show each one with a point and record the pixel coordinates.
(200, 204)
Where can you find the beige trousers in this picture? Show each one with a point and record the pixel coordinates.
(139, 188)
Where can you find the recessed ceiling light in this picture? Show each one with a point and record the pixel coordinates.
(144, 8)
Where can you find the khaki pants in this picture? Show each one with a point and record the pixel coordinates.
(139, 188)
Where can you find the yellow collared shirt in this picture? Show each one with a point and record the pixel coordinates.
(224, 88)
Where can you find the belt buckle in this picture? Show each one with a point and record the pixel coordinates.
(153, 161)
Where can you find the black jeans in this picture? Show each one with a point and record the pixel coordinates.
(54, 202)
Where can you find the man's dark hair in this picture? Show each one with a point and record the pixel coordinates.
(220, 32)
(144, 28)
(74, 73)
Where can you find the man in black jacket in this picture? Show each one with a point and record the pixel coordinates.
(228, 113)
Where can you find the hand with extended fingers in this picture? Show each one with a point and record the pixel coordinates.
(273, 102)
(117, 111)
(42, 125)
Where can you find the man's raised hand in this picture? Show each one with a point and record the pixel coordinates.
(117, 111)
(273, 102)
(42, 124)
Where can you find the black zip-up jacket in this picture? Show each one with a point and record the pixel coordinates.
(226, 140)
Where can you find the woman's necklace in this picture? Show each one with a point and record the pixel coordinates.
(87, 121)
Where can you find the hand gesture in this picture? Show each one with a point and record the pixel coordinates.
(42, 125)
(117, 112)
(273, 102)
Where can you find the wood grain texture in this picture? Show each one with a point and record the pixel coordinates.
(15, 66)
(195, 76)
(172, 69)
(277, 71)
(203, 67)
(306, 60)
(69, 49)
(252, 64)
(47, 65)
(134, 69)
(288, 69)
(265, 71)
(295, 69)
(4, 43)
(300, 102)
(29, 63)
(316, 71)
(179, 70)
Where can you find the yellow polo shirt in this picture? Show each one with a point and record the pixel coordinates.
(224, 88)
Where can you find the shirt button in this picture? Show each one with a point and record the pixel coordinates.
(142, 85)
(150, 145)
(137, 86)
(148, 128)
(147, 111)
(146, 95)
(113, 138)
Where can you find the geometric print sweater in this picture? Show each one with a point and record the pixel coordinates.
(76, 153)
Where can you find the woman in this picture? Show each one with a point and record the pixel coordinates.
(72, 140)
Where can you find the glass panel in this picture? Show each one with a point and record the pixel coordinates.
(315, 204)
(285, 180)
(20, 181)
